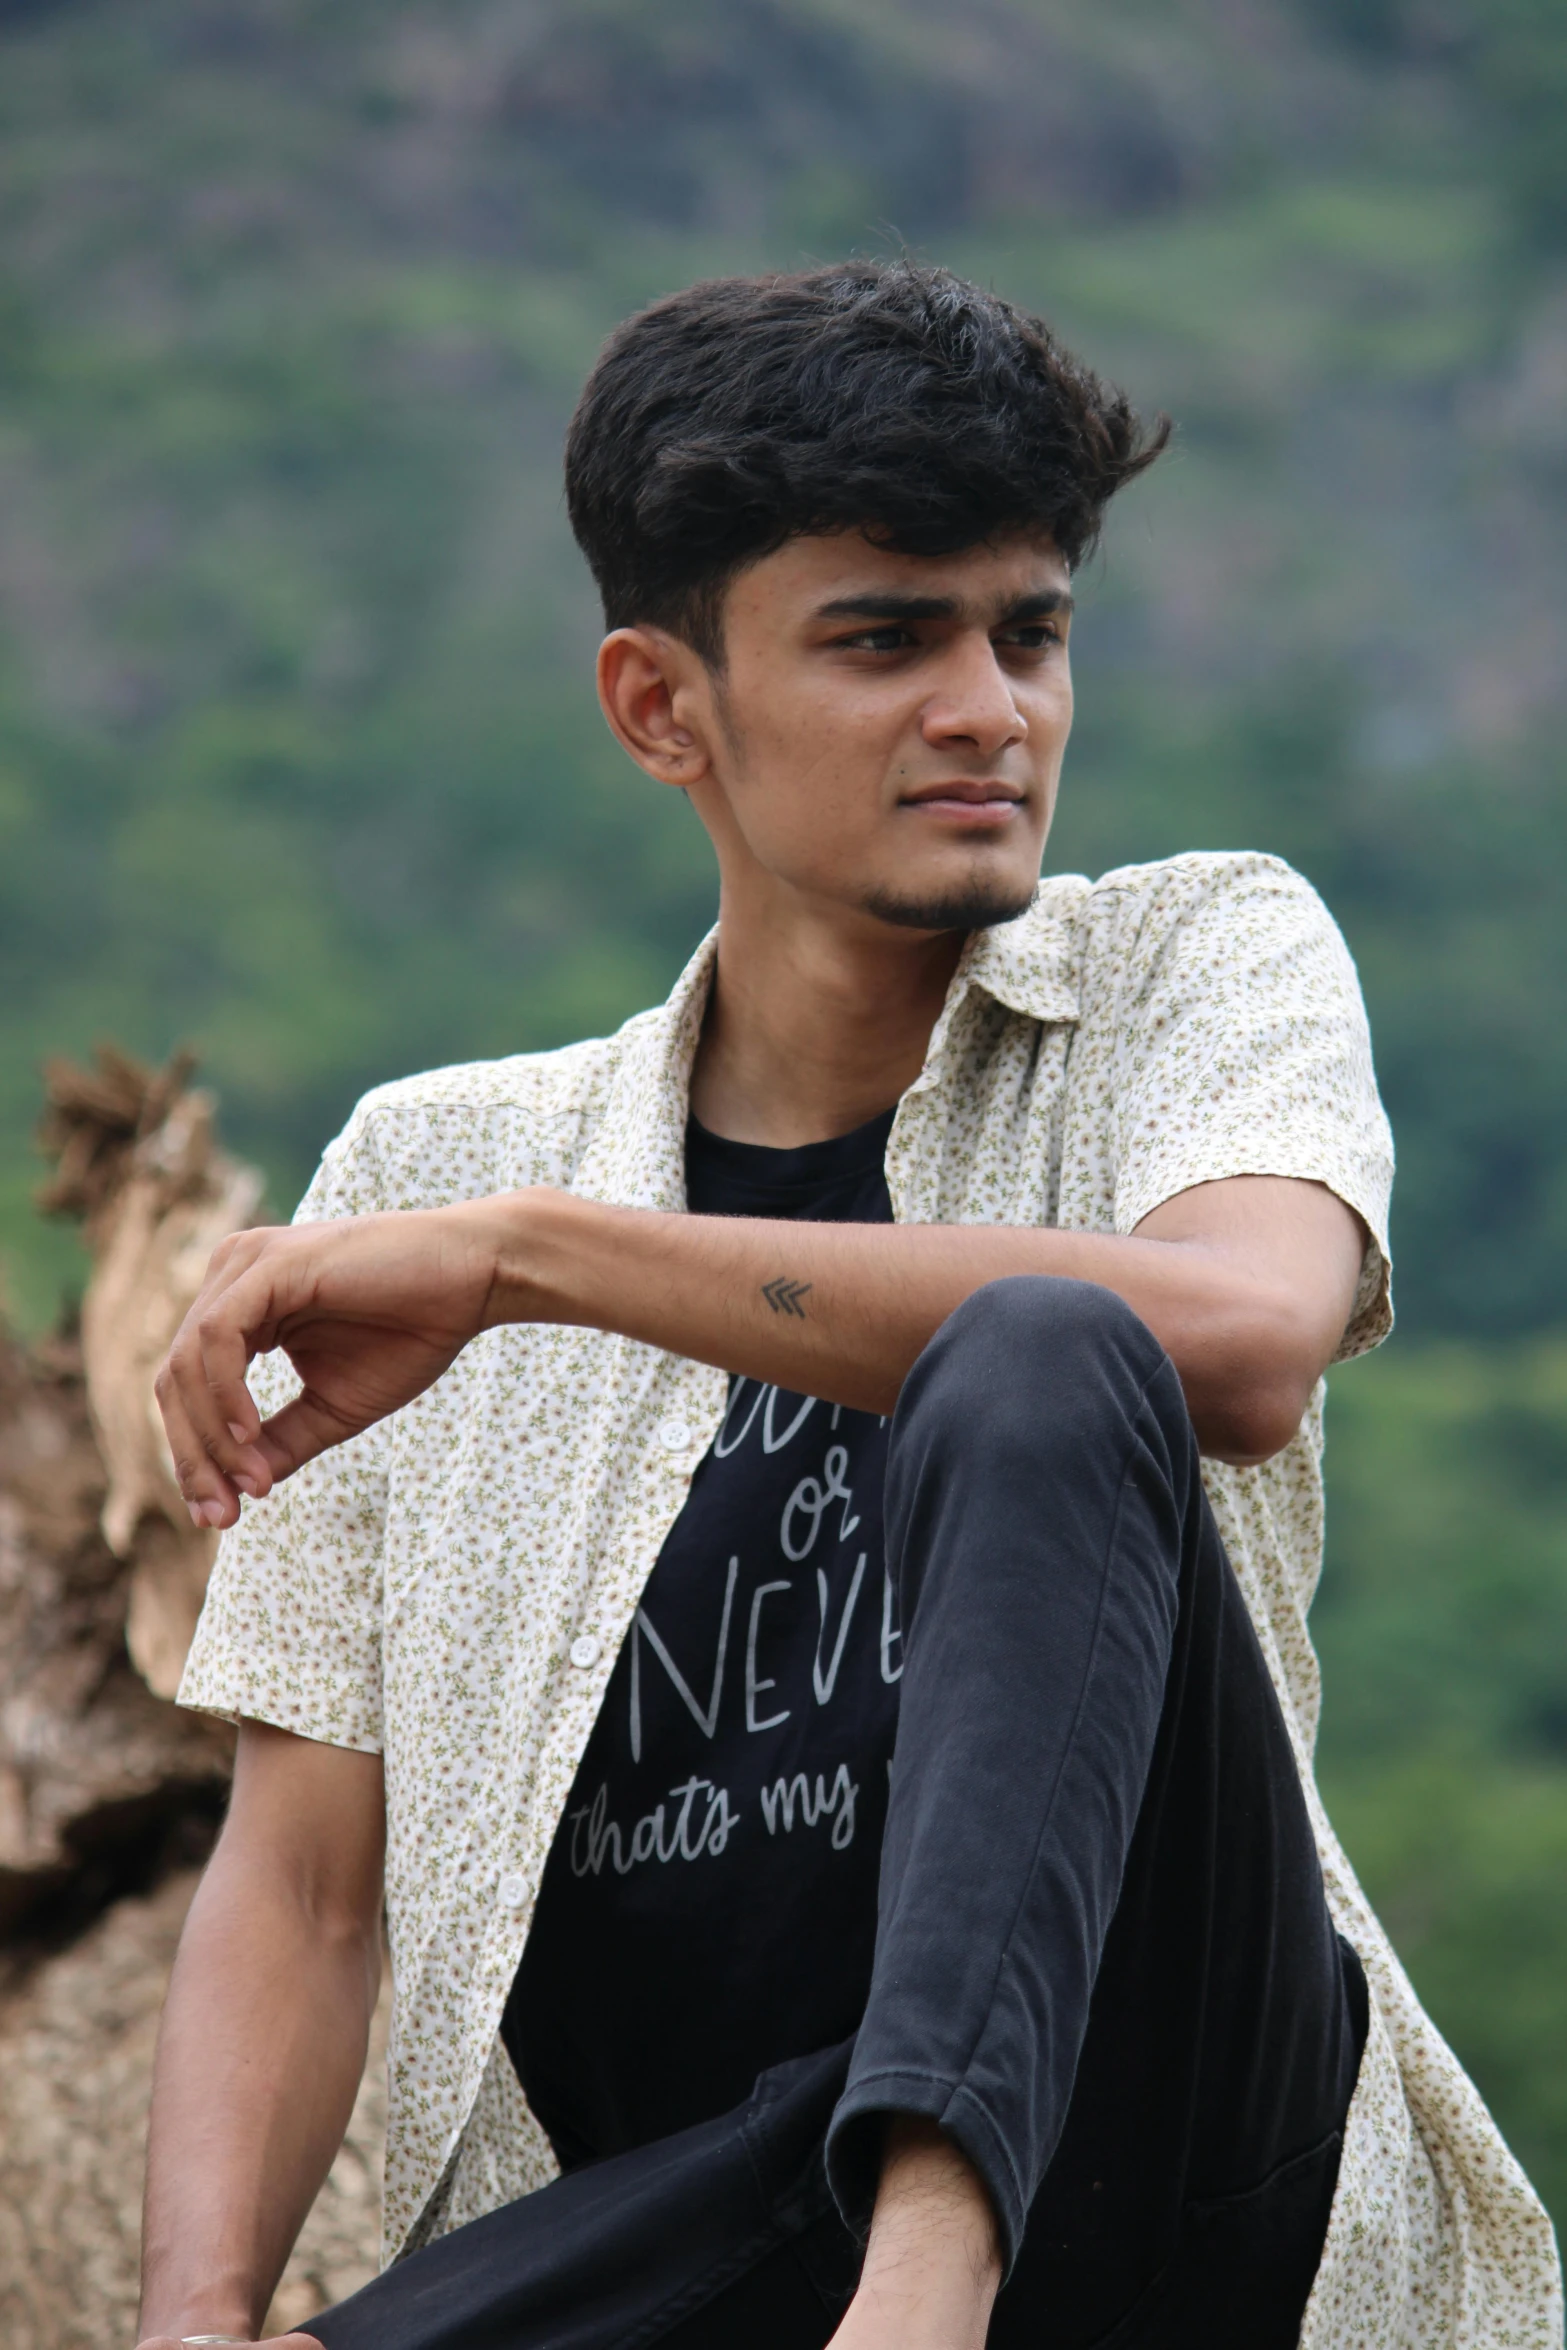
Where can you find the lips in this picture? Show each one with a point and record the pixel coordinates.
(972, 794)
(966, 801)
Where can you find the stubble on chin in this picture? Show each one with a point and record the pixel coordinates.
(980, 904)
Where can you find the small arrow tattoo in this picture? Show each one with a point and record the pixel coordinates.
(784, 1296)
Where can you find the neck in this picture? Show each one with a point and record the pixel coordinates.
(815, 1025)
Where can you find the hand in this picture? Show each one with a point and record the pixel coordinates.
(370, 1310)
(271, 2342)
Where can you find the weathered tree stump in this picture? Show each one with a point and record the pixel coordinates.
(109, 1796)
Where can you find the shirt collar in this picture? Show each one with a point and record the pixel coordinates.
(638, 1155)
(1029, 965)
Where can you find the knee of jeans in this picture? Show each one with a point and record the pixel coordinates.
(1025, 1310)
(1032, 1335)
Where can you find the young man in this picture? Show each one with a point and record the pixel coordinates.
(790, 1528)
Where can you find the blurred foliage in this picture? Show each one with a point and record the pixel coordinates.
(1442, 1628)
(1466, 1861)
(1513, 57)
(1442, 1619)
(298, 758)
(298, 755)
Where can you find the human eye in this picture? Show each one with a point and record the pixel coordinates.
(1029, 636)
(891, 637)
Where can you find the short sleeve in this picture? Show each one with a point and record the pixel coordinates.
(1244, 1050)
(290, 1631)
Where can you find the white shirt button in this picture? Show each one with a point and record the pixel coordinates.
(674, 1435)
(584, 1651)
(512, 1890)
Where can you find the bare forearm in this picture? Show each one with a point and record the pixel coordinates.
(933, 2262)
(259, 2059)
(841, 1311)
(1247, 1282)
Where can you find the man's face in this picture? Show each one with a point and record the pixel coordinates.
(888, 731)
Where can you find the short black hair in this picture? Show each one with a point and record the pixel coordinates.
(880, 396)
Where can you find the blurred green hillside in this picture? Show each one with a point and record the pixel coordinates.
(298, 756)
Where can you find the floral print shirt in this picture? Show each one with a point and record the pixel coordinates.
(452, 1587)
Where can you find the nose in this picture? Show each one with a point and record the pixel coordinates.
(973, 707)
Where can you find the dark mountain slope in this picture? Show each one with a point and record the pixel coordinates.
(297, 751)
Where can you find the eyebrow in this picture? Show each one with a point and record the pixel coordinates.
(1042, 605)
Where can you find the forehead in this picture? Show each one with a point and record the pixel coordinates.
(806, 573)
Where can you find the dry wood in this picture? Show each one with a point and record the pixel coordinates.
(137, 1161)
(108, 1793)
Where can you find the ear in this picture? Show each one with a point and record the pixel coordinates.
(657, 697)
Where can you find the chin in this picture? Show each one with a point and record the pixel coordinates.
(978, 903)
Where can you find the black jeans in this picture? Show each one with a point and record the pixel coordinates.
(1104, 1962)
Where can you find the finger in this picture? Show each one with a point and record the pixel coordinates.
(207, 1493)
(228, 1324)
(304, 1428)
(194, 1426)
(245, 1425)
(269, 2342)
(229, 1422)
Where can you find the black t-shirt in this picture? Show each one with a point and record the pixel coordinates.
(709, 1904)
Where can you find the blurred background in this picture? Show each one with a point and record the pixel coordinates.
(299, 760)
